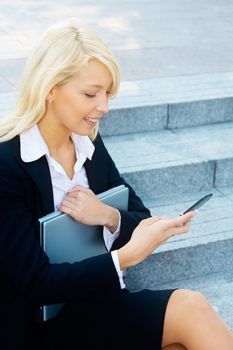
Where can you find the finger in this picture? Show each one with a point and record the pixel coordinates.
(179, 230)
(69, 203)
(189, 216)
(73, 194)
(80, 195)
(181, 220)
(72, 199)
(80, 189)
(67, 210)
(76, 188)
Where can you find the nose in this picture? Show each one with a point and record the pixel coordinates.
(103, 105)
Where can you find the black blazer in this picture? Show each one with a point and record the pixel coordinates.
(27, 279)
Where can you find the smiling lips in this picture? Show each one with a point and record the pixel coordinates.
(91, 121)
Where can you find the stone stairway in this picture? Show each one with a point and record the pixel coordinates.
(171, 134)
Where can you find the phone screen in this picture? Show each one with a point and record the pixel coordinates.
(199, 203)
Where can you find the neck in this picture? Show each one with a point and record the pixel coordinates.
(55, 136)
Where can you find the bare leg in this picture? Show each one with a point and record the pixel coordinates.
(174, 347)
(192, 322)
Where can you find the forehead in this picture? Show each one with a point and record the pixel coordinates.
(95, 74)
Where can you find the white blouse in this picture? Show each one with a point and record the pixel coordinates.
(33, 147)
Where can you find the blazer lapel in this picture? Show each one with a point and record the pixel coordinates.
(39, 172)
(90, 171)
(40, 175)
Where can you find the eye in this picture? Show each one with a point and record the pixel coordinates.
(90, 95)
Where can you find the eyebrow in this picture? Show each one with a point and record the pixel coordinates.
(96, 86)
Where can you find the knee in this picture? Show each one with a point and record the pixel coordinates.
(192, 301)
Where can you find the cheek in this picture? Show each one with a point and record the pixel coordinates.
(67, 109)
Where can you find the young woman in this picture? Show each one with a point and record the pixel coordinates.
(52, 156)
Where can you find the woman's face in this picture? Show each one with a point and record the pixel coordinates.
(82, 101)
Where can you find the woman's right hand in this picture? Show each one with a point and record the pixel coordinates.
(149, 235)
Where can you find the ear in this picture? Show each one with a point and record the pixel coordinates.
(51, 96)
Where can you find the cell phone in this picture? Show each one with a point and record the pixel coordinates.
(199, 203)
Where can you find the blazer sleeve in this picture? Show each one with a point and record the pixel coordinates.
(24, 266)
(136, 209)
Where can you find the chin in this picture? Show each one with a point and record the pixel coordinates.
(84, 132)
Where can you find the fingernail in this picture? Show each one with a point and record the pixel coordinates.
(195, 212)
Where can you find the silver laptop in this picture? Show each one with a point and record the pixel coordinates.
(65, 240)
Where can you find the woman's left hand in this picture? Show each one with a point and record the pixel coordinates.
(82, 204)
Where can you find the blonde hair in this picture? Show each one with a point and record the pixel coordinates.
(64, 49)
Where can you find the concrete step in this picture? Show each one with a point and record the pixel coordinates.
(175, 161)
(170, 102)
(206, 249)
(217, 287)
(163, 103)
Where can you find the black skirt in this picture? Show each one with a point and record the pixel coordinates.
(123, 320)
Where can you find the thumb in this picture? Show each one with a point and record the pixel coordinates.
(182, 219)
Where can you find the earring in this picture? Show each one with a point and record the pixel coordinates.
(50, 100)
